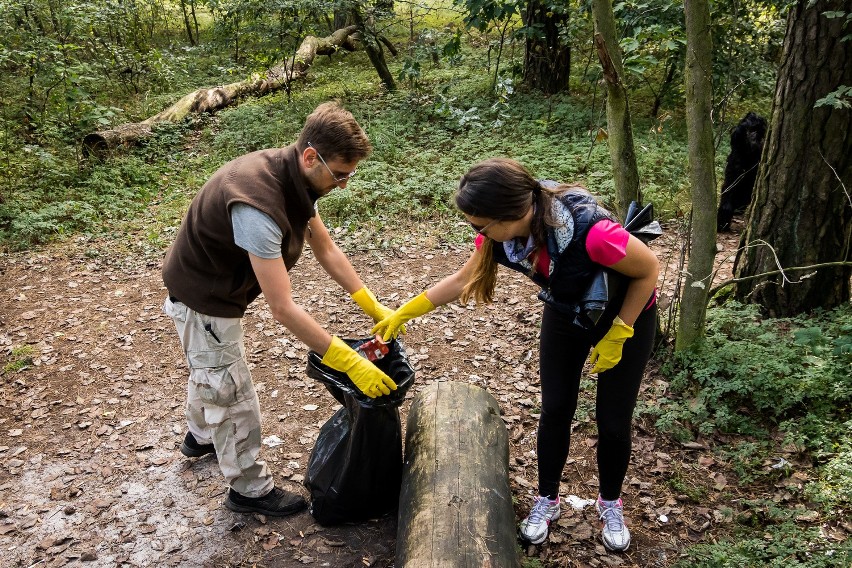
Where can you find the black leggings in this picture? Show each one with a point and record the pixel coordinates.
(563, 352)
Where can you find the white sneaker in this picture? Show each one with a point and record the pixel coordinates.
(535, 527)
(615, 535)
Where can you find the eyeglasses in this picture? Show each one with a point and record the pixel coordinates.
(481, 230)
(335, 177)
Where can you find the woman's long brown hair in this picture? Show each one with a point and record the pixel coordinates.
(502, 189)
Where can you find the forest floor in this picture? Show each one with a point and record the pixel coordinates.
(90, 468)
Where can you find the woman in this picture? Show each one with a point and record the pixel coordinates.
(561, 238)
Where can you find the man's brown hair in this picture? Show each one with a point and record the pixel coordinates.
(335, 134)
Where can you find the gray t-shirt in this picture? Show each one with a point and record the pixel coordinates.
(255, 231)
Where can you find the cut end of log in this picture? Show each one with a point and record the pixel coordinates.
(95, 145)
(101, 144)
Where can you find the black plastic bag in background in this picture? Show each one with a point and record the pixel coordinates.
(640, 222)
(355, 469)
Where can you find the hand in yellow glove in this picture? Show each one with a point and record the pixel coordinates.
(371, 306)
(363, 373)
(392, 325)
(607, 353)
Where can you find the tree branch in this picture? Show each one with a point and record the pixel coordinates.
(721, 285)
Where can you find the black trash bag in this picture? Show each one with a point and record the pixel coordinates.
(355, 469)
(640, 222)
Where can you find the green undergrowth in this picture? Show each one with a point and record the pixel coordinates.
(425, 135)
(18, 358)
(778, 394)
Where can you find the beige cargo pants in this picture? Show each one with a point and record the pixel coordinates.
(221, 403)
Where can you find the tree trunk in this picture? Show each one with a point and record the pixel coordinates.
(216, 98)
(194, 18)
(672, 65)
(455, 507)
(192, 39)
(371, 44)
(342, 18)
(620, 139)
(547, 61)
(699, 101)
(801, 212)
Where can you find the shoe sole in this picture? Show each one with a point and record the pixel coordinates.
(194, 453)
(268, 512)
(544, 538)
(611, 549)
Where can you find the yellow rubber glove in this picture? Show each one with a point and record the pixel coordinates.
(371, 306)
(363, 373)
(392, 325)
(607, 353)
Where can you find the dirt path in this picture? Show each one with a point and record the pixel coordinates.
(91, 475)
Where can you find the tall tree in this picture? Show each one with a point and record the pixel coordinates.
(547, 55)
(699, 100)
(189, 11)
(620, 140)
(372, 42)
(801, 212)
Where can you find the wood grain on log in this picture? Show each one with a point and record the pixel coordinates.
(455, 508)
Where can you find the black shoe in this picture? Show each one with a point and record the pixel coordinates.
(276, 503)
(192, 449)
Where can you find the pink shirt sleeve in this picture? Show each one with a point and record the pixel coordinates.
(606, 242)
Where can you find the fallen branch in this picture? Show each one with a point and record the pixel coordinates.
(782, 271)
(216, 98)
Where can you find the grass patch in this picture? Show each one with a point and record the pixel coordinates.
(20, 358)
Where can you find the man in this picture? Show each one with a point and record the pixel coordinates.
(243, 232)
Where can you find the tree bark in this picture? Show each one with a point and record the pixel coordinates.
(455, 507)
(547, 61)
(620, 138)
(801, 211)
(702, 175)
(216, 98)
(370, 41)
(192, 39)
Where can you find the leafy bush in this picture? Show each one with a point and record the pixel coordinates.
(751, 375)
(64, 200)
(782, 546)
(759, 377)
(834, 487)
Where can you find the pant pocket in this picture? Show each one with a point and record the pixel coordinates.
(175, 311)
(214, 355)
(215, 387)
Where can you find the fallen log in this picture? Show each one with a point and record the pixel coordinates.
(455, 507)
(215, 98)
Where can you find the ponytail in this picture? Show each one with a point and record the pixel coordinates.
(481, 285)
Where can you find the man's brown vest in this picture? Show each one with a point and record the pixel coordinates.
(204, 268)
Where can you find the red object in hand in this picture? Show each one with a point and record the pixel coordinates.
(374, 349)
